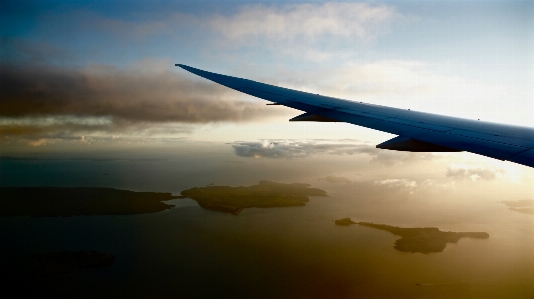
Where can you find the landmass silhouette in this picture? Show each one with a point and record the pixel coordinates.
(66, 202)
(419, 239)
(264, 195)
(344, 222)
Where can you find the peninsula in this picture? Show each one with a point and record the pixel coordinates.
(67, 202)
(263, 195)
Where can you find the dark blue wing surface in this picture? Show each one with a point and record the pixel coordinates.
(418, 131)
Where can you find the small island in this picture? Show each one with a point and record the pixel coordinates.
(344, 222)
(67, 261)
(419, 239)
(264, 195)
(424, 239)
(79, 201)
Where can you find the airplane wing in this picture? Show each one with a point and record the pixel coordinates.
(417, 131)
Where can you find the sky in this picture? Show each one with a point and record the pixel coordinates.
(90, 97)
(90, 75)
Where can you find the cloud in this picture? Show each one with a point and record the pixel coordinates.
(300, 148)
(336, 179)
(132, 95)
(413, 187)
(481, 173)
(430, 184)
(404, 185)
(391, 158)
(396, 183)
(306, 148)
(46, 100)
(31, 52)
(42, 131)
(395, 81)
(308, 22)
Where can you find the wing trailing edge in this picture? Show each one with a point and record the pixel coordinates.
(400, 143)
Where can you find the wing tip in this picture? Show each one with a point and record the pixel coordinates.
(190, 69)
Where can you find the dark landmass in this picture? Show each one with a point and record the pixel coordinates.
(344, 222)
(66, 202)
(523, 206)
(67, 261)
(424, 239)
(336, 179)
(264, 195)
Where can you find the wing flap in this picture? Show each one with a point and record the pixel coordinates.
(400, 143)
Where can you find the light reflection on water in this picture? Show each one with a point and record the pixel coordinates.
(293, 252)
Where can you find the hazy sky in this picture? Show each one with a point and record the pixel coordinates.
(95, 73)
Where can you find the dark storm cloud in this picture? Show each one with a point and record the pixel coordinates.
(135, 96)
(110, 100)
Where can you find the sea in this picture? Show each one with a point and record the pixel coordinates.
(291, 252)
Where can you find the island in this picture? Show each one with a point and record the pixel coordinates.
(424, 239)
(419, 239)
(523, 206)
(79, 201)
(67, 261)
(263, 195)
(344, 222)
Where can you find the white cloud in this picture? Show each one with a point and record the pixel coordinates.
(307, 22)
(474, 173)
(389, 158)
(429, 184)
(307, 148)
(412, 186)
(397, 183)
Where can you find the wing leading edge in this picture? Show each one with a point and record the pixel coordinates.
(417, 131)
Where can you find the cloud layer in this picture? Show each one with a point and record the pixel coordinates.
(129, 95)
(290, 149)
(47, 100)
(300, 148)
